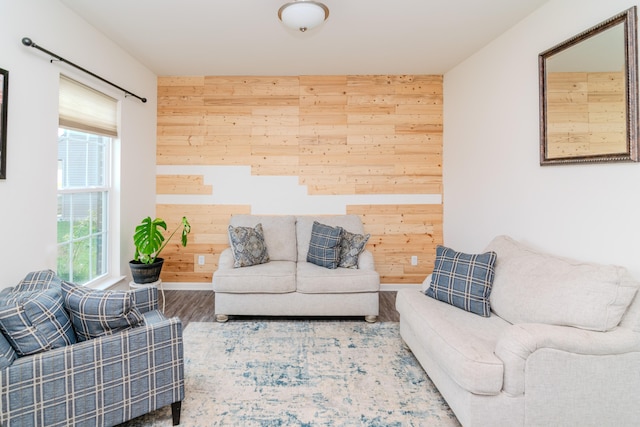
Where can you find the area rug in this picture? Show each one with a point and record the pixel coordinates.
(302, 373)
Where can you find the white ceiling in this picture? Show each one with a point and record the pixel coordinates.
(245, 37)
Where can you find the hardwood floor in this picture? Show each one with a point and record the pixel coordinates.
(197, 306)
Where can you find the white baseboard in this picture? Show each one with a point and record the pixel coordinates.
(195, 286)
(187, 286)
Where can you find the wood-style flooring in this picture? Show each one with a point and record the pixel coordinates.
(197, 306)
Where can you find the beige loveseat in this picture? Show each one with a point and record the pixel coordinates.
(288, 285)
(561, 346)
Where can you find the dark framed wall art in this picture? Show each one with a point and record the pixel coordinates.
(4, 93)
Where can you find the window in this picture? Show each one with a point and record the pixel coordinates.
(84, 181)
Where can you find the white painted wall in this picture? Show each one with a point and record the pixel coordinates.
(493, 183)
(28, 195)
(274, 194)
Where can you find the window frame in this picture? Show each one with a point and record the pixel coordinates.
(111, 274)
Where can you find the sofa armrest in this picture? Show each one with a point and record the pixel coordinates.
(520, 341)
(425, 284)
(365, 261)
(226, 259)
(101, 370)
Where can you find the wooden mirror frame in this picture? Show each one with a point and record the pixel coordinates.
(4, 99)
(628, 19)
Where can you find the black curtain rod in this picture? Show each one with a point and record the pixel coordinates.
(28, 42)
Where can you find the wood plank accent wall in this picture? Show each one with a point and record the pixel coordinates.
(586, 113)
(399, 231)
(339, 135)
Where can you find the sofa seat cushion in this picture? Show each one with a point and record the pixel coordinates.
(534, 287)
(274, 277)
(460, 342)
(279, 233)
(313, 279)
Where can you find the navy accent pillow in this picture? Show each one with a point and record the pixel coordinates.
(463, 280)
(95, 313)
(324, 247)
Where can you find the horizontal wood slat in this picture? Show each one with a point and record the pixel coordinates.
(181, 184)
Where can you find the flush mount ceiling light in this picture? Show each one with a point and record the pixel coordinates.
(303, 15)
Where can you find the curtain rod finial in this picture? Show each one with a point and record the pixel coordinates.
(27, 41)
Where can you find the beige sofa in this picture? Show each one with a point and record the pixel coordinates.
(560, 348)
(288, 285)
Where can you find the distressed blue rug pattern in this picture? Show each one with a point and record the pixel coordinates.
(303, 373)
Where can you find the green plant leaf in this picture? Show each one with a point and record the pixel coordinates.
(148, 239)
(186, 229)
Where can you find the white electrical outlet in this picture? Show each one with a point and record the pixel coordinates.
(200, 259)
(414, 260)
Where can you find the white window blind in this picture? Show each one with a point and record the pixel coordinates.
(84, 109)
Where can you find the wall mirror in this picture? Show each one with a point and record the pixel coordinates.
(4, 89)
(588, 95)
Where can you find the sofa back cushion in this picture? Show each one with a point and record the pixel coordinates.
(304, 226)
(279, 233)
(534, 287)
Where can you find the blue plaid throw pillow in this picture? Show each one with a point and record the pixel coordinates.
(463, 280)
(324, 247)
(95, 313)
(35, 320)
(37, 280)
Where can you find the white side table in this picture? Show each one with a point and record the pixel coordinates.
(156, 284)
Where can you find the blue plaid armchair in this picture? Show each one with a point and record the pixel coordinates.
(102, 381)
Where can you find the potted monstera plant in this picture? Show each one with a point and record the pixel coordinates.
(149, 241)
